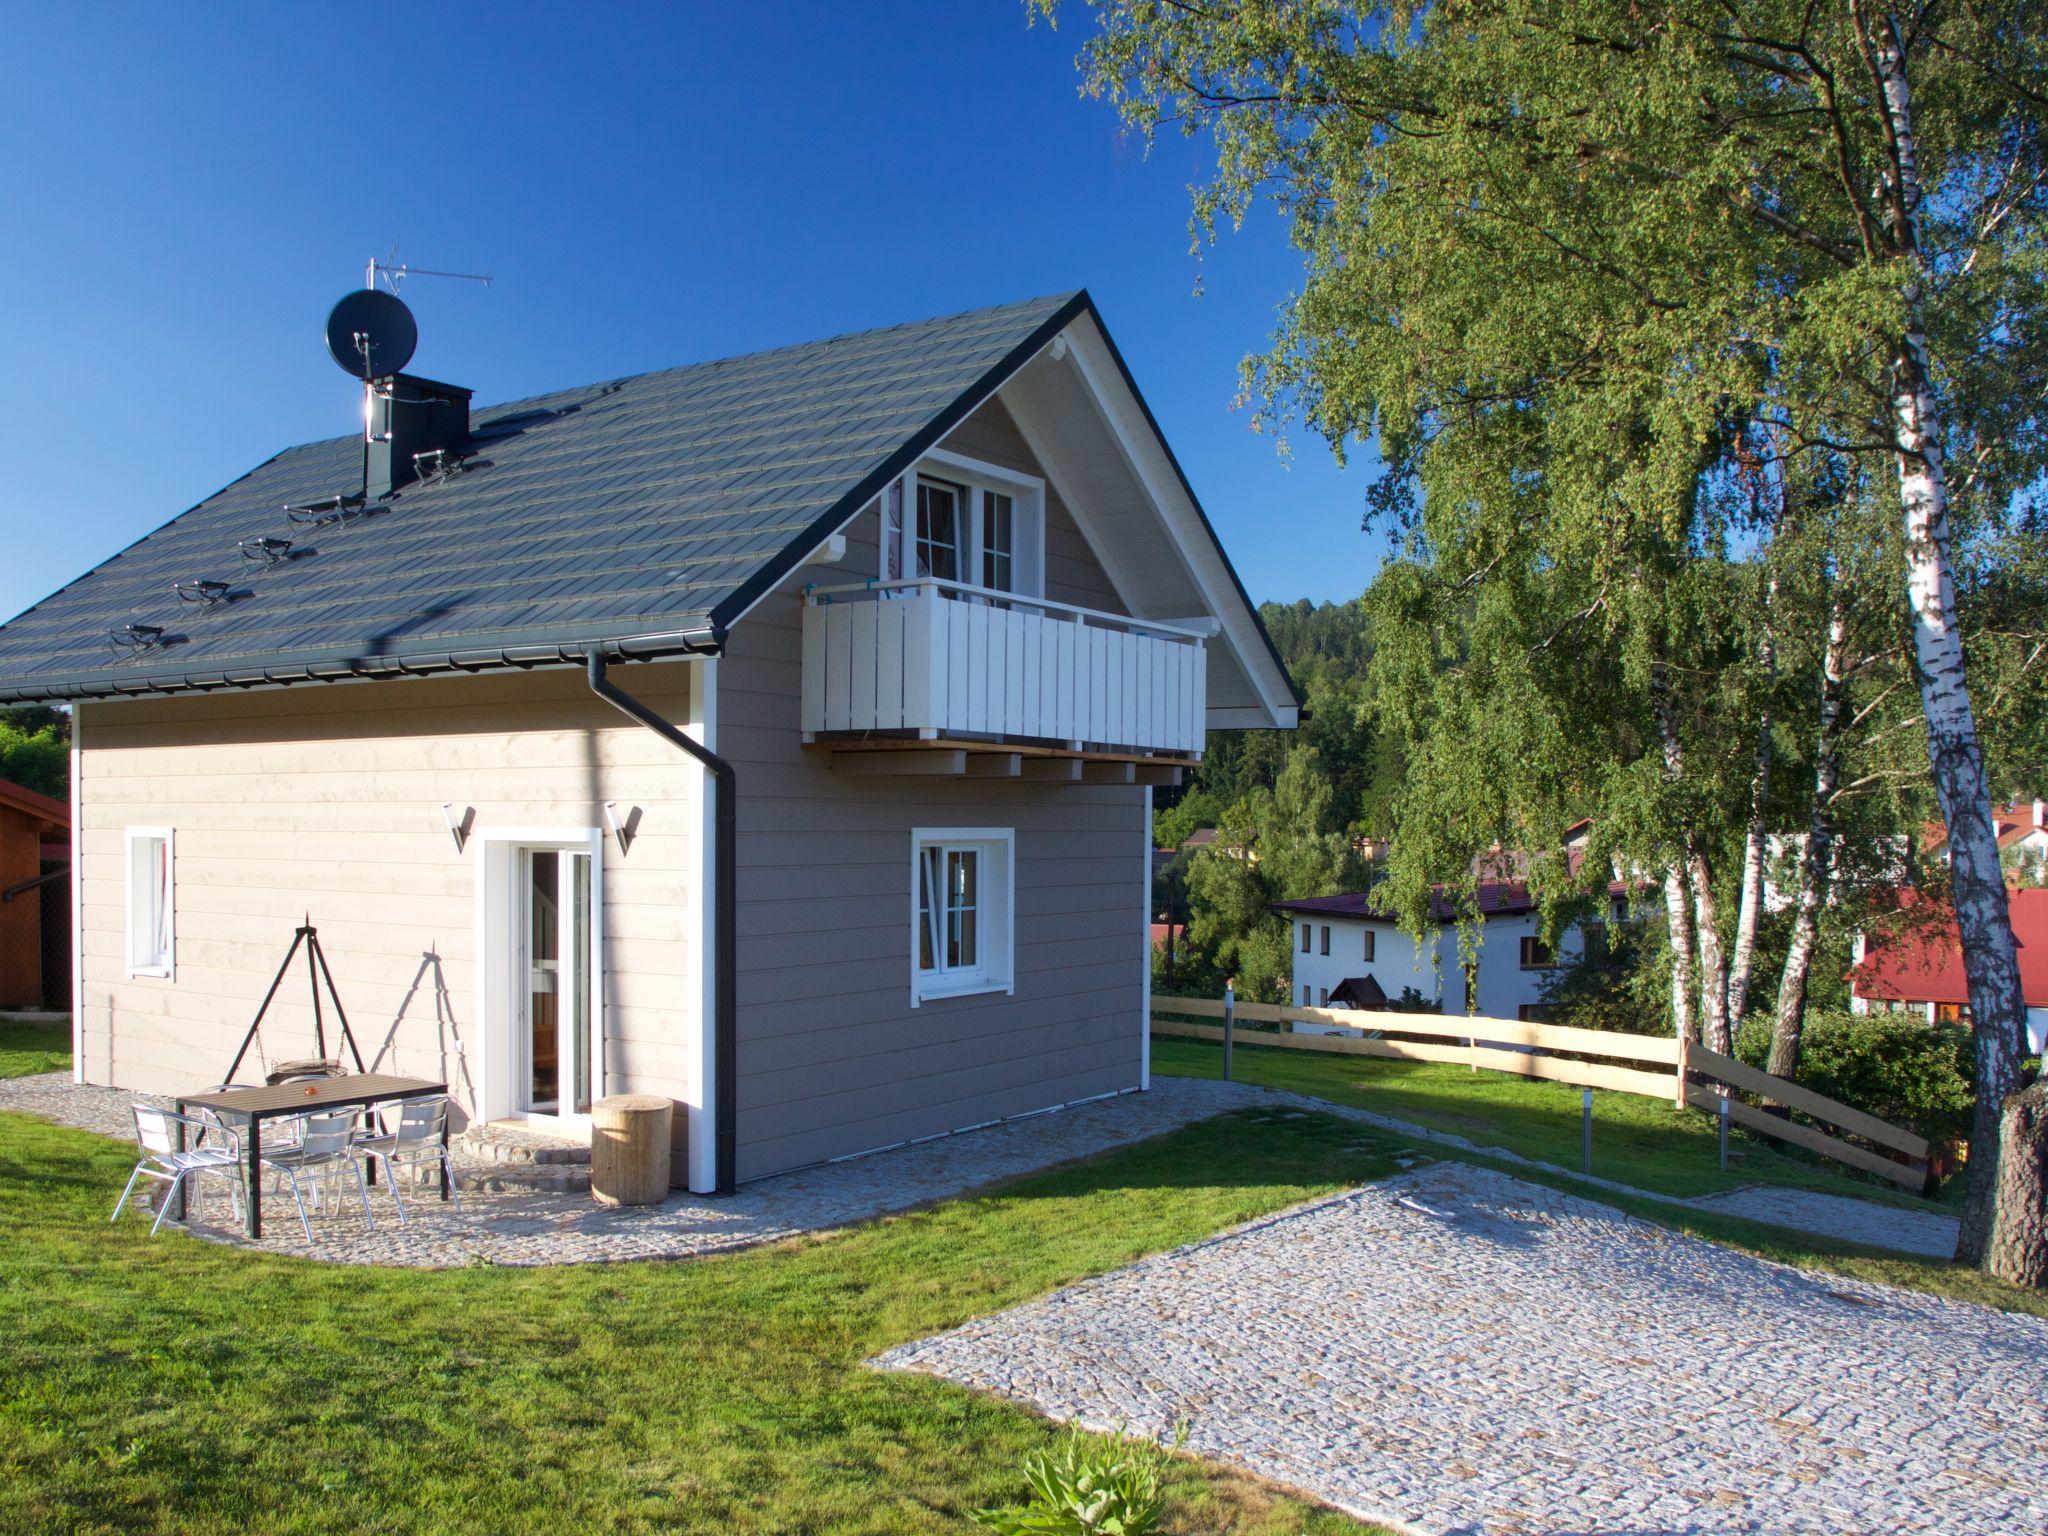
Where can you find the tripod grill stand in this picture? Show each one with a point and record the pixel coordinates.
(316, 974)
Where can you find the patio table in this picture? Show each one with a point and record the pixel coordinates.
(248, 1108)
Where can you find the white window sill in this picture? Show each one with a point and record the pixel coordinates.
(149, 972)
(934, 991)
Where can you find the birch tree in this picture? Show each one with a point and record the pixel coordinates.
(1552, 246)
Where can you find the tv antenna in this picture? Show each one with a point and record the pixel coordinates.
(393, 272)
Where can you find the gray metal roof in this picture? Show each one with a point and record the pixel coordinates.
(640, 515)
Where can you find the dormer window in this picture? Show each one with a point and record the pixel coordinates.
(963, 520)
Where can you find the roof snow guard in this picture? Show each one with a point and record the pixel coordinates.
(637, 517)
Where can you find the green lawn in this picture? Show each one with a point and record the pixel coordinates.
(172, 1385)
(29, 1047)
(1648, 1143)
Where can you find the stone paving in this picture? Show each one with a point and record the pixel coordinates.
(525, 1227)
(1926, 1233)
(1459, 1352)
(517, 1225)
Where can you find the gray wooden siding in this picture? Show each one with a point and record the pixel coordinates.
(832, 1057)
(1072, 573)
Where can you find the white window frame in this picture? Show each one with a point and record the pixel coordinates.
(995, 909)
(165, 966)
(978, 478)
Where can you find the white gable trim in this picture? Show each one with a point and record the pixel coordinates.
(1088, 354)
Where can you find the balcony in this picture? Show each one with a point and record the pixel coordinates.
(947, 671)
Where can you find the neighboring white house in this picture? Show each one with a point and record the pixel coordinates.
(1347, 955)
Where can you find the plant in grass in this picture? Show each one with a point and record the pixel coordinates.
(1089, 1484)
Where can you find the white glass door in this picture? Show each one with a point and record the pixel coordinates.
(558, 1043)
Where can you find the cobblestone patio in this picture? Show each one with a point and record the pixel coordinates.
(1457, 1351)
(515, 1226)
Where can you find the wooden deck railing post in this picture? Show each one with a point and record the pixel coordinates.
(1679, 1087)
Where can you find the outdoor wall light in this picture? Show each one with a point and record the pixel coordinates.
(458, 826)
(624, 829)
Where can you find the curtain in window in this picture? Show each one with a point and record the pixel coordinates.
(892, 531)
(160, 902)
(962, 941)
(929, 889)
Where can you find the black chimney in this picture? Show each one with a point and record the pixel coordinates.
(410, 417)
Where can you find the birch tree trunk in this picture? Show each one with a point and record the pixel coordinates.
(1678, 911)
(1816, 859)
(1678, 914)
(1742, 962)
(1713, 964)
(2019, 1242)
(1990, 961)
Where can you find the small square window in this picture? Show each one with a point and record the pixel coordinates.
(152, 944)
(1536, 954)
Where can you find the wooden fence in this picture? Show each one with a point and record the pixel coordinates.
(1651, 1066)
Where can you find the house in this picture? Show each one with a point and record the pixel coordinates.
(1913, 963)
(2021, 827)
(35, 851)
(775, 734)
(1348, 955)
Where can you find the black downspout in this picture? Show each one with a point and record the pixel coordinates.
(724, 944)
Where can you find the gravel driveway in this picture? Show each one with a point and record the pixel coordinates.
(1456, 1351)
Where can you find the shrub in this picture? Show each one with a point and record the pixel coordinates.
(35, 751)
(1088, 1486)
(1901, 1069)
(1753, 1040)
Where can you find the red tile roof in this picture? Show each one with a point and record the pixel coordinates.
(1917, 957)
(2013, 821)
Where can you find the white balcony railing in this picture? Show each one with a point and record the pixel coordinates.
(938, 659)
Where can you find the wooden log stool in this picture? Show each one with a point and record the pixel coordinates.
(629, 1149)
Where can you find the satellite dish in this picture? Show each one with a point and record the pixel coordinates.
(371, 334)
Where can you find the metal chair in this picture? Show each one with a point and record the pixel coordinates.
(162, 1159)
(324, 1146)
(418, 1141)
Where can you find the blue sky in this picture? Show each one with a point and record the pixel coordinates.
(187, 192)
